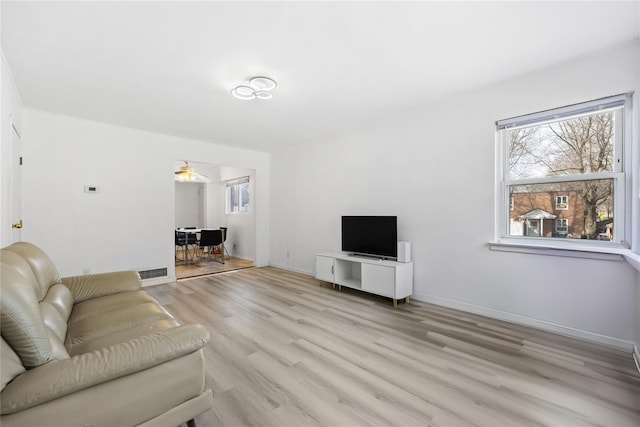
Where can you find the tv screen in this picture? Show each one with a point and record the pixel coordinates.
(370, 235)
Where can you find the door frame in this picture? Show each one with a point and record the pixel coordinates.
(15, 182)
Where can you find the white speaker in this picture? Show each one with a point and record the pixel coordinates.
(404, 252)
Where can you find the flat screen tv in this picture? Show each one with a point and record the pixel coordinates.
(370, 235)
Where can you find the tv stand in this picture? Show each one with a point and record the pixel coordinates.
(391, 279)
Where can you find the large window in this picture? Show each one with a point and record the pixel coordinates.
(237, 195)
(563, 173)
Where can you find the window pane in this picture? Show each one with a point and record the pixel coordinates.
(567, 147)
(588, 213)
(244, 197)
(233, 198)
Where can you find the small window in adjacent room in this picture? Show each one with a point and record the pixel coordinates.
(237, 195)
(570, 159)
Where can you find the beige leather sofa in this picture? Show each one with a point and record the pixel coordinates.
(92, 350)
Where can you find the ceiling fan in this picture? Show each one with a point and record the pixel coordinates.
(187, 174)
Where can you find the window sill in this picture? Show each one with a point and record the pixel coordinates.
(608, 253)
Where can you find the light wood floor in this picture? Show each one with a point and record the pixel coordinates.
(203, 266)
(287, 350)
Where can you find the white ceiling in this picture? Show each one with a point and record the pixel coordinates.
(169, 66)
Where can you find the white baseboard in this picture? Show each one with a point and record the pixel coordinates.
(528, 321)
(295, 270)
(158, 281)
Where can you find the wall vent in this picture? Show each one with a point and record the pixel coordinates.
(151, 274)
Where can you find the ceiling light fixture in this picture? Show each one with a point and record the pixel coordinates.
(187, 174)
(259, 87)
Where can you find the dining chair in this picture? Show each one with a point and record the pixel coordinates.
(210, 239)
(181, 241)
(192, 238)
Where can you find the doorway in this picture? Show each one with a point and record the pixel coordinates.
(202, 203)
(533, 228)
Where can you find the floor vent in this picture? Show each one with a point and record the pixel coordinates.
(150, 274)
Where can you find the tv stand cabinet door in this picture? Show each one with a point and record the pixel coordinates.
(379, 279)
(324, 268)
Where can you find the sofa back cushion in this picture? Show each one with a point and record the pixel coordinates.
(44, 271)
(21, 321)
(35, 306)
(56, 309)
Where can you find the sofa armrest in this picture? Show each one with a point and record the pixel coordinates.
(62, 377)
(98, 285)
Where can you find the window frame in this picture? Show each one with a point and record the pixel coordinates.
(621, 174)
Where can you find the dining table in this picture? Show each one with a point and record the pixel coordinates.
(197, 231)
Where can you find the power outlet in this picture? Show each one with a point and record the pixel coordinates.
(235, 246)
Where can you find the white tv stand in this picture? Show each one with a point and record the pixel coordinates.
(381, 277)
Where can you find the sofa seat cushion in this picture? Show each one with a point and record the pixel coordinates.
(117, 320)
(108, 303)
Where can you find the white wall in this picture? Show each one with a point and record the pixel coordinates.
(215, 205)
(129, 223)
(638, 309)
(10, 110)
(190, 201)
(434, 167)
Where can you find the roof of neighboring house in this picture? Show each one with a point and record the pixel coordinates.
(538, 214)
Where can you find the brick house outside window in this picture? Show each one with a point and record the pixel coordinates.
(537, 214)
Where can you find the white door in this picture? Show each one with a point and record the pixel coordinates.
(16, 185)
(533, 228)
